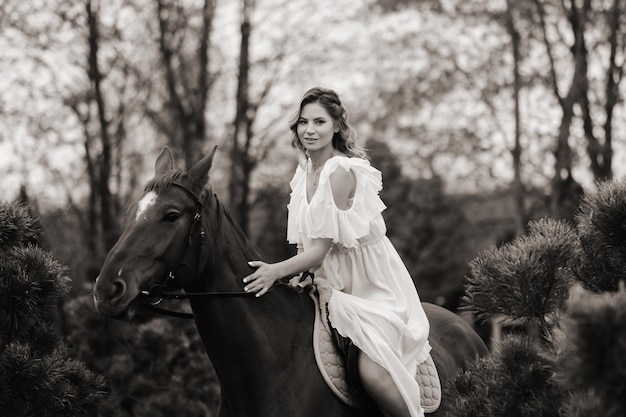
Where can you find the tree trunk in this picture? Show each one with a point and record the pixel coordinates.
(601, 154)
(241, 163)
(187, 97)
(565, 189)
(518, 186)
(108, 218)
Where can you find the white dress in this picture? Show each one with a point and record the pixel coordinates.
(374, 301)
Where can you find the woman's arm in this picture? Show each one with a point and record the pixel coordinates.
(266, 274)
(343, 185)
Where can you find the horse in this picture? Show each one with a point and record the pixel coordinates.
(180, 236)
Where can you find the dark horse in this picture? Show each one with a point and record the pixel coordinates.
(180, 235)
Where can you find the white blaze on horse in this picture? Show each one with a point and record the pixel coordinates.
(180, 236)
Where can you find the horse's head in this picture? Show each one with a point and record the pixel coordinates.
(160, 228)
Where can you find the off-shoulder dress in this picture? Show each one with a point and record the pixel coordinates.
(374, 301)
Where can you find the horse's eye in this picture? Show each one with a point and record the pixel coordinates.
(171, 216)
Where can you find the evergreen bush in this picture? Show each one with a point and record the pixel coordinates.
(601, 222)
(38, 375)
(515, 380)
(569, 281)
(591, 363)
(525, 280)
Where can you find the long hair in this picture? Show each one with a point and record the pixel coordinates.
(344, 140)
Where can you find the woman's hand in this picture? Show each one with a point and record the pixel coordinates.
(261, 280)
(266, 275)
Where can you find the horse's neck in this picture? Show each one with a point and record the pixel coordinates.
(229, 250)
(249, 339)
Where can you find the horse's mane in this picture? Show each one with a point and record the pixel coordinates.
(240, 238)
(163, 181)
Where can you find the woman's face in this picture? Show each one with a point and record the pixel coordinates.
(315, 128)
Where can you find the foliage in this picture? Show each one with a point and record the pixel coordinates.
(18, 227)
(154, 366)
(516, 380)
(527, 279)
(32, 282)
(601, 221)
(38, 375)
(432, 77)
(582, 338)
(591, 365)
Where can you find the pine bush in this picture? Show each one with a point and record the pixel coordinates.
(38, 375)
(568, 281)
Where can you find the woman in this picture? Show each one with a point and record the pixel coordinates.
(335, 219)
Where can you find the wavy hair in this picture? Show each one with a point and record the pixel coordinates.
(344, 140)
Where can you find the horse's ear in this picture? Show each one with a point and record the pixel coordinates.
(164, 162)
(200, 171)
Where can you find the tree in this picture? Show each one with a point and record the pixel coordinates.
(580, 94)
(38, 376)
(516, 152)
(240, 160)
(550, 89)
(600, 227)
(103, 126)
(579, 16)
(245, 151)
(566, 285)
(107, 205)
(102, 123)
(591, 366)
(563, 182)
(527, 279)
(187, 75)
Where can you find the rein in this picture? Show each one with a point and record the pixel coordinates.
(152, 306)
(155, 291)
(159, 292)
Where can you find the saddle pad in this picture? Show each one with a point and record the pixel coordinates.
(333, 371)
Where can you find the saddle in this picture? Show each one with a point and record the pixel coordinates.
(339, 371)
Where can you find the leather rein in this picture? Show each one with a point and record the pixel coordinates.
(152, 297)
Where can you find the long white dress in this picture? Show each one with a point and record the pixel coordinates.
(374, 301)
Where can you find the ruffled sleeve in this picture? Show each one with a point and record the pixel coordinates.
(345, 227)
(295, 206)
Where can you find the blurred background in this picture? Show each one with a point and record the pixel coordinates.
(481, 115)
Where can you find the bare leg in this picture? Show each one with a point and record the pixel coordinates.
(379, 385)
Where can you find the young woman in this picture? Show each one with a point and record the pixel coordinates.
(335, 219)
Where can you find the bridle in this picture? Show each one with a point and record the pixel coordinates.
(159, 292)
(153, 296)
